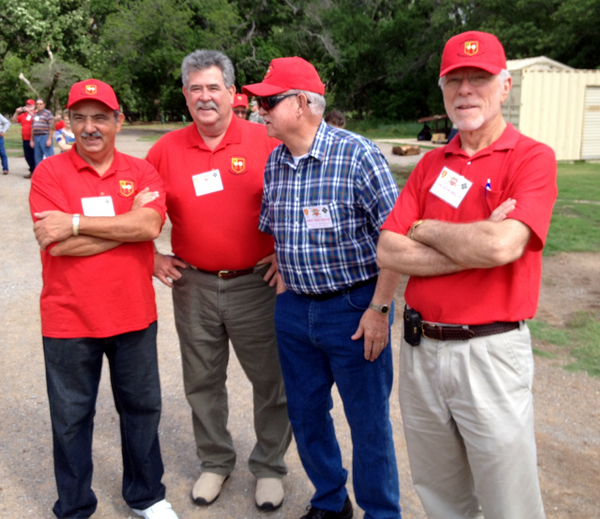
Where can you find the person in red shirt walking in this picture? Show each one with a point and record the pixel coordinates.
(24, 116)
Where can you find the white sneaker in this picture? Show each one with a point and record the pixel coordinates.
(269, 493)
(160, 510)
(207, 488)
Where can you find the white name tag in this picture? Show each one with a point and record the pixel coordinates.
(209, 182)
(318, 217)
(98, 206)
(451, 187)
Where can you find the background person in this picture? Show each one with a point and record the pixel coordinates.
(336, 119)
(42, 130)
(254, 116)
(327, 192)
(4, 126)
(97, 299)
(213, 174)
(469, 228)
(24, 116)
(240, 105)
(64, 137)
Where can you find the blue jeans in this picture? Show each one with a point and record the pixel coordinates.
(315, 350)
(29, 155)
(40, 149)
(73, 368)
(3, 155)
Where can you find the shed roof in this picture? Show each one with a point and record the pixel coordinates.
(536, 63)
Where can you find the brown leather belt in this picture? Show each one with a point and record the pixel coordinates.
(226, 274)
(331, 295)
(460, 333)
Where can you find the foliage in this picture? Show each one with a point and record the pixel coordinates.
(378, 58)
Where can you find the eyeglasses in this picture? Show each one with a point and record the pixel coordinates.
(475, 80)
(268, 103)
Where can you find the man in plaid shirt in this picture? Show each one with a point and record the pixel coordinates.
(326, 194)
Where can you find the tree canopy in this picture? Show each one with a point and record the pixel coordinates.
(378, 58)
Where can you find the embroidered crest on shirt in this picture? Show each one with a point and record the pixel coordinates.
(126, 187)
(238, 165)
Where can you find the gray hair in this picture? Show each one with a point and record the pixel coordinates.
(203, 59)
(503, 76)
(316, 102)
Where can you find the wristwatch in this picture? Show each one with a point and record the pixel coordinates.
(382, 309)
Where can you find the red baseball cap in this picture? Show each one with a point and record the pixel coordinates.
(30, 102)
(240, 100)
(473, 49)
(286, 74)
(93, 89)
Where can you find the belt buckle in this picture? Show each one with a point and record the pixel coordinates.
(222, 274)
(423, 331)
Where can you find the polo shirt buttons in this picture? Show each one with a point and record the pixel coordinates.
(469, 163)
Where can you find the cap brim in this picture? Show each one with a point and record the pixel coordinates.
(263, 89)
(492, 69)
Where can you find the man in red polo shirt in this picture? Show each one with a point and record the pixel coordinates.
(96, 212)
(24, 116)
(469, 228)
(222, 276)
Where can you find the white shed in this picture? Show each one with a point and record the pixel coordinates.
(557, 105)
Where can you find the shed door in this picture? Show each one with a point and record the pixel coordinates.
(590, 143)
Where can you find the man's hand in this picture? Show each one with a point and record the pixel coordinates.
(271, 274)
(48, 142)
(503, 210)
(165, 268)
(375, 329)
(1, 134)
(31, 144)
(51, 227)
(144, 197)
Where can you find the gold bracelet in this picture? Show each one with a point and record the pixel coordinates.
(414, 226)
(75, 225)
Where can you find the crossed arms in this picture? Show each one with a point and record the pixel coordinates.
(440, 248)
(97, 234)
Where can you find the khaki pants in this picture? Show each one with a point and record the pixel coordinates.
(209, 312)
(467, 410)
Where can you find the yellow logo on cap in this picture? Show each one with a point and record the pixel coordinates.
(471, 48)
(91, 90)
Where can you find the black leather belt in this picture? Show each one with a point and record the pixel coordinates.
(331, 295)
(460, 333)
(225, 274)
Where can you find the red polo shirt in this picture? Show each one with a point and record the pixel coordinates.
(515, 167)
(217, 230)
(26, 120)
(105, 294)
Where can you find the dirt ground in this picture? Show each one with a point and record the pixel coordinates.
(566, 404)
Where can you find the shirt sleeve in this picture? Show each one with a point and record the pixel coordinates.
(377, 190)
(534, 189)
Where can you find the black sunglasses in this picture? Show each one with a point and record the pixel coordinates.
(268, 103)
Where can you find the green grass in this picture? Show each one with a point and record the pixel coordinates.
(579, 342)
(575, 224)
(377, 130)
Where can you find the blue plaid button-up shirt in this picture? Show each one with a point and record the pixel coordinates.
(347, 175)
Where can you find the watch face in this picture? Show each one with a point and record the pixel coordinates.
(385, 309)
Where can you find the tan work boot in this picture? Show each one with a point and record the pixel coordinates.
(207, 488)
(269, 493)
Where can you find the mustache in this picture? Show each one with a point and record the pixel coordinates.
(209, 104)
(94, 134)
